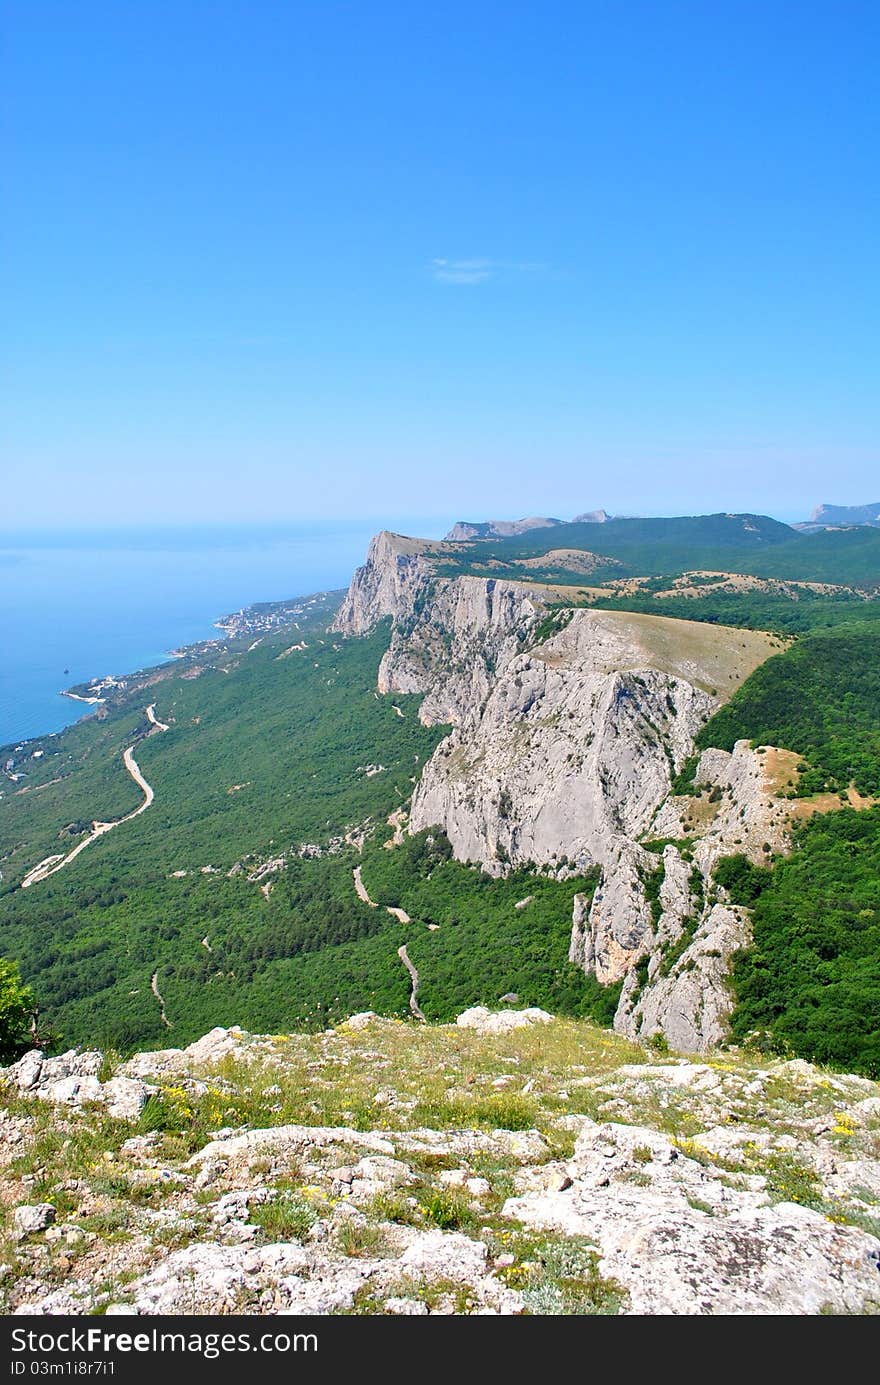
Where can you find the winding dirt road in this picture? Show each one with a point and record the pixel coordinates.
(154, 987)
(154, 720)
(414, 977)
(361, 889)
(363, 893)
(51, 864)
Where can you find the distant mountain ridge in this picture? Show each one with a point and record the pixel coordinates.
(465, 530)
(822, 517)
(828, 515)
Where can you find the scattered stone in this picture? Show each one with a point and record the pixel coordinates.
(485, 1021)
(681, 1241)
(549, 1178)
(682, 1226)
(362, 1020)
(444, 1255)
(29, 1219)
(478, 1187)
(406, 1307)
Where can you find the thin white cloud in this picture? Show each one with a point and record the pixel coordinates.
(462, 271)
(477, 271)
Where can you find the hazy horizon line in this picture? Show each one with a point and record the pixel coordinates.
(14, 536)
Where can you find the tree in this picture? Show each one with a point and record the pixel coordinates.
(16, 1009)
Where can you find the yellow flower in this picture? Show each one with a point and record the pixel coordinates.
(843, 1124)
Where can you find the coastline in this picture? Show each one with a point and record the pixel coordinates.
(103, 694)
(66, 692)
(123, 600)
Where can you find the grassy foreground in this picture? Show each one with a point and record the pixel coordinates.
(254, 1146)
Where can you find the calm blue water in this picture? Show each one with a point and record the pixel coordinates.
(103, 604)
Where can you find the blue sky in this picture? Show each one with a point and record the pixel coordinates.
(293, 260)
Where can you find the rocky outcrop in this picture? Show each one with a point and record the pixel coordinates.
(568, 727)
(449, 635)
(684, 994)
(484, 1021)
(452, 645)
(567, 763)
(682, 1241)
(830, 516)
(73, 1079)
(30, 1220)
(768, 1206)
(743, 811)
(466, 530)
(396, 574)
(572, 749)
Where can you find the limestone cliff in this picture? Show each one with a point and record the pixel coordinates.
(499, 528)
(449, 635)
(396, 570)
(684, 993)
(568, 727)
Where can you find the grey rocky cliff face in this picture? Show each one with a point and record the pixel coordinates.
(462, 632)
(686, 996)
(563, 757)
(565, 764)
(562, 754)
(387, 584)
(449, 636)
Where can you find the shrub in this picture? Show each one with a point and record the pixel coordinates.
(447, 1209)
(744, 882)
(289, 1217)
(16, 1009)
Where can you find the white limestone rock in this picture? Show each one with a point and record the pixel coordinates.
(125, 1097)
(28, 1220)
(485, 1021)
(680, 1241)
(71, 1079)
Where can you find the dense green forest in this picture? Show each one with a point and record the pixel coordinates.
(281, 757)
(810, 984)
(638, 546)
(845, 555)
(751, 610)
(751, 544)
(267, 755)
(821, 698)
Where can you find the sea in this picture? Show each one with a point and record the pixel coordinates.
(78, 606)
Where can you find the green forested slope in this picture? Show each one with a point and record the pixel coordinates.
(643, 546)
(755, 610)
(811, 980)
(259, 759)
(752, 544)
(845, 555)
(266, 752)
(820, 698)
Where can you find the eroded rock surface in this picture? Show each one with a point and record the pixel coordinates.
(568, 728)
(684, 1239)
(595, 1201)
